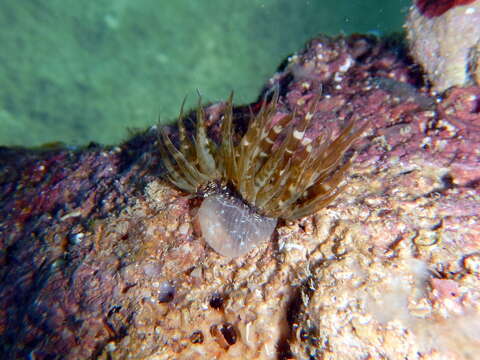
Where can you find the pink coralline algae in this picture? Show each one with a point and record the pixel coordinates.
(101, 258)
(433, 8)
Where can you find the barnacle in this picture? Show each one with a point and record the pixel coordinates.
(273, 172)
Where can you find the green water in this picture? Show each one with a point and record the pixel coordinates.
(80, 71)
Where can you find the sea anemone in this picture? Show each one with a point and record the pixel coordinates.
(273, 172)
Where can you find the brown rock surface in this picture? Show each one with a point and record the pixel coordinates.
(101, 258)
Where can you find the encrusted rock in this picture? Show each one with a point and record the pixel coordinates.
(444, 38)
(102, 258)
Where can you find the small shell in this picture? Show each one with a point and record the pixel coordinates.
(231, 227)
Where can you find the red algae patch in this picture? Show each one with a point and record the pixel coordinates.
(433, 8)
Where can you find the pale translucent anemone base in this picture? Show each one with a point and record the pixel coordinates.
(231, 227)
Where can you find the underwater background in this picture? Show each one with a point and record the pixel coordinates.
(78, 72)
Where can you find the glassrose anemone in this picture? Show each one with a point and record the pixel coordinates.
(273, 172)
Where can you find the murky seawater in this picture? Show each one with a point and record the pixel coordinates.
(81, 71)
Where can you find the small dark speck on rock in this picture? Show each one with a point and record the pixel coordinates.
(216, 301)
(167, 292)
(196, 337)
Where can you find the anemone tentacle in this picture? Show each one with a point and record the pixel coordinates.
(275, 168)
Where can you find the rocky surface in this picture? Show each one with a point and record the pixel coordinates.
(444, 38)
(101, 258)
